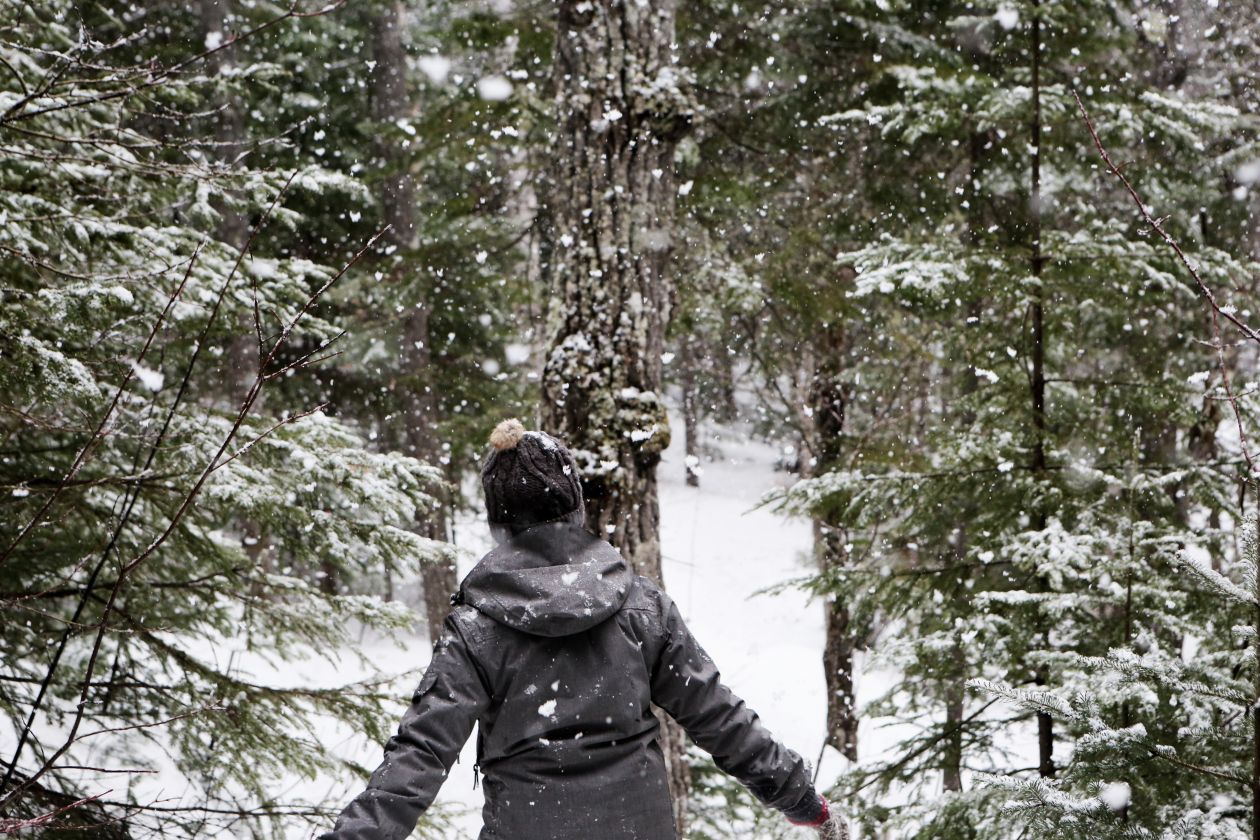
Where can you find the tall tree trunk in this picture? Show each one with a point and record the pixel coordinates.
(609, 209)
(1045, 723)
(1255, 727)
(390, 102)
(240, 361)
(828, 401)
(691, 411)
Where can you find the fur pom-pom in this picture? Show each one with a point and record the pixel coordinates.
(507, 434)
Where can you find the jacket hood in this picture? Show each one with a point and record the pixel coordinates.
(553, 579)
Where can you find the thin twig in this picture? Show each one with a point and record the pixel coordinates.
(99, 432)
(15, 112)
(279, 424)
(1206, 291)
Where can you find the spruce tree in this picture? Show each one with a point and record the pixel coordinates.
(1028, 508)
(128, 469)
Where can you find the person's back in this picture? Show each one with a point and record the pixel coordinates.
(558, 651)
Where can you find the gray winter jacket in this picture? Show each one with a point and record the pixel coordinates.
(557, 651)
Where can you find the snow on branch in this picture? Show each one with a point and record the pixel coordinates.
(1217, 582)
(1218, 311)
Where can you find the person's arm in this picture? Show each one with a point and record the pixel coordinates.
(447, 703)
(687, 685)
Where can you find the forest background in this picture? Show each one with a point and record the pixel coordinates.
(985, 271)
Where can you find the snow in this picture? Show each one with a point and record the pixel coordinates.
(436, 67)
(1116, 795)
(494, 88)
(1007, 17)
(516, 354)
(148, 377)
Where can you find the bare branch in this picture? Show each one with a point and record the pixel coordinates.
(1206, 291)
(99, 433)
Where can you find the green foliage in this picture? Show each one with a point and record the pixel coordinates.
(171, 502)
(722, 809)
(897, 271)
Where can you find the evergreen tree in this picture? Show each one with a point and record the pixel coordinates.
(1029, 509)
(127, 467)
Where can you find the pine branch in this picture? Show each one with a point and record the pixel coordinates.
(15, 111)
(99, 433)
(1218, 582)
(1204, 290)
(246, 407)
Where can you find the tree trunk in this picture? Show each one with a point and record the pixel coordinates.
(609, 208)
(691, 412)
(390, 102)
(955, 677)
(842, 717)
(240, 361)
(1045, 723)
(955, 709)
(1255, 728)
(828, 401)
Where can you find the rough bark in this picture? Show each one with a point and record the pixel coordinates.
(391, 101)
(828, 401)
(608, 211)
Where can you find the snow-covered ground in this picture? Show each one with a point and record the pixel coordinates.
(720, 553)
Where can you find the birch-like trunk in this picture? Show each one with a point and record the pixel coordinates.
(608, 205)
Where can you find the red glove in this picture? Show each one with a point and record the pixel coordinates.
(830, 827)
(822, 817)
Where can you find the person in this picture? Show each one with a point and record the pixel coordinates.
(557, 651)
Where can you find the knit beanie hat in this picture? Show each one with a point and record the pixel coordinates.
(529, 477)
